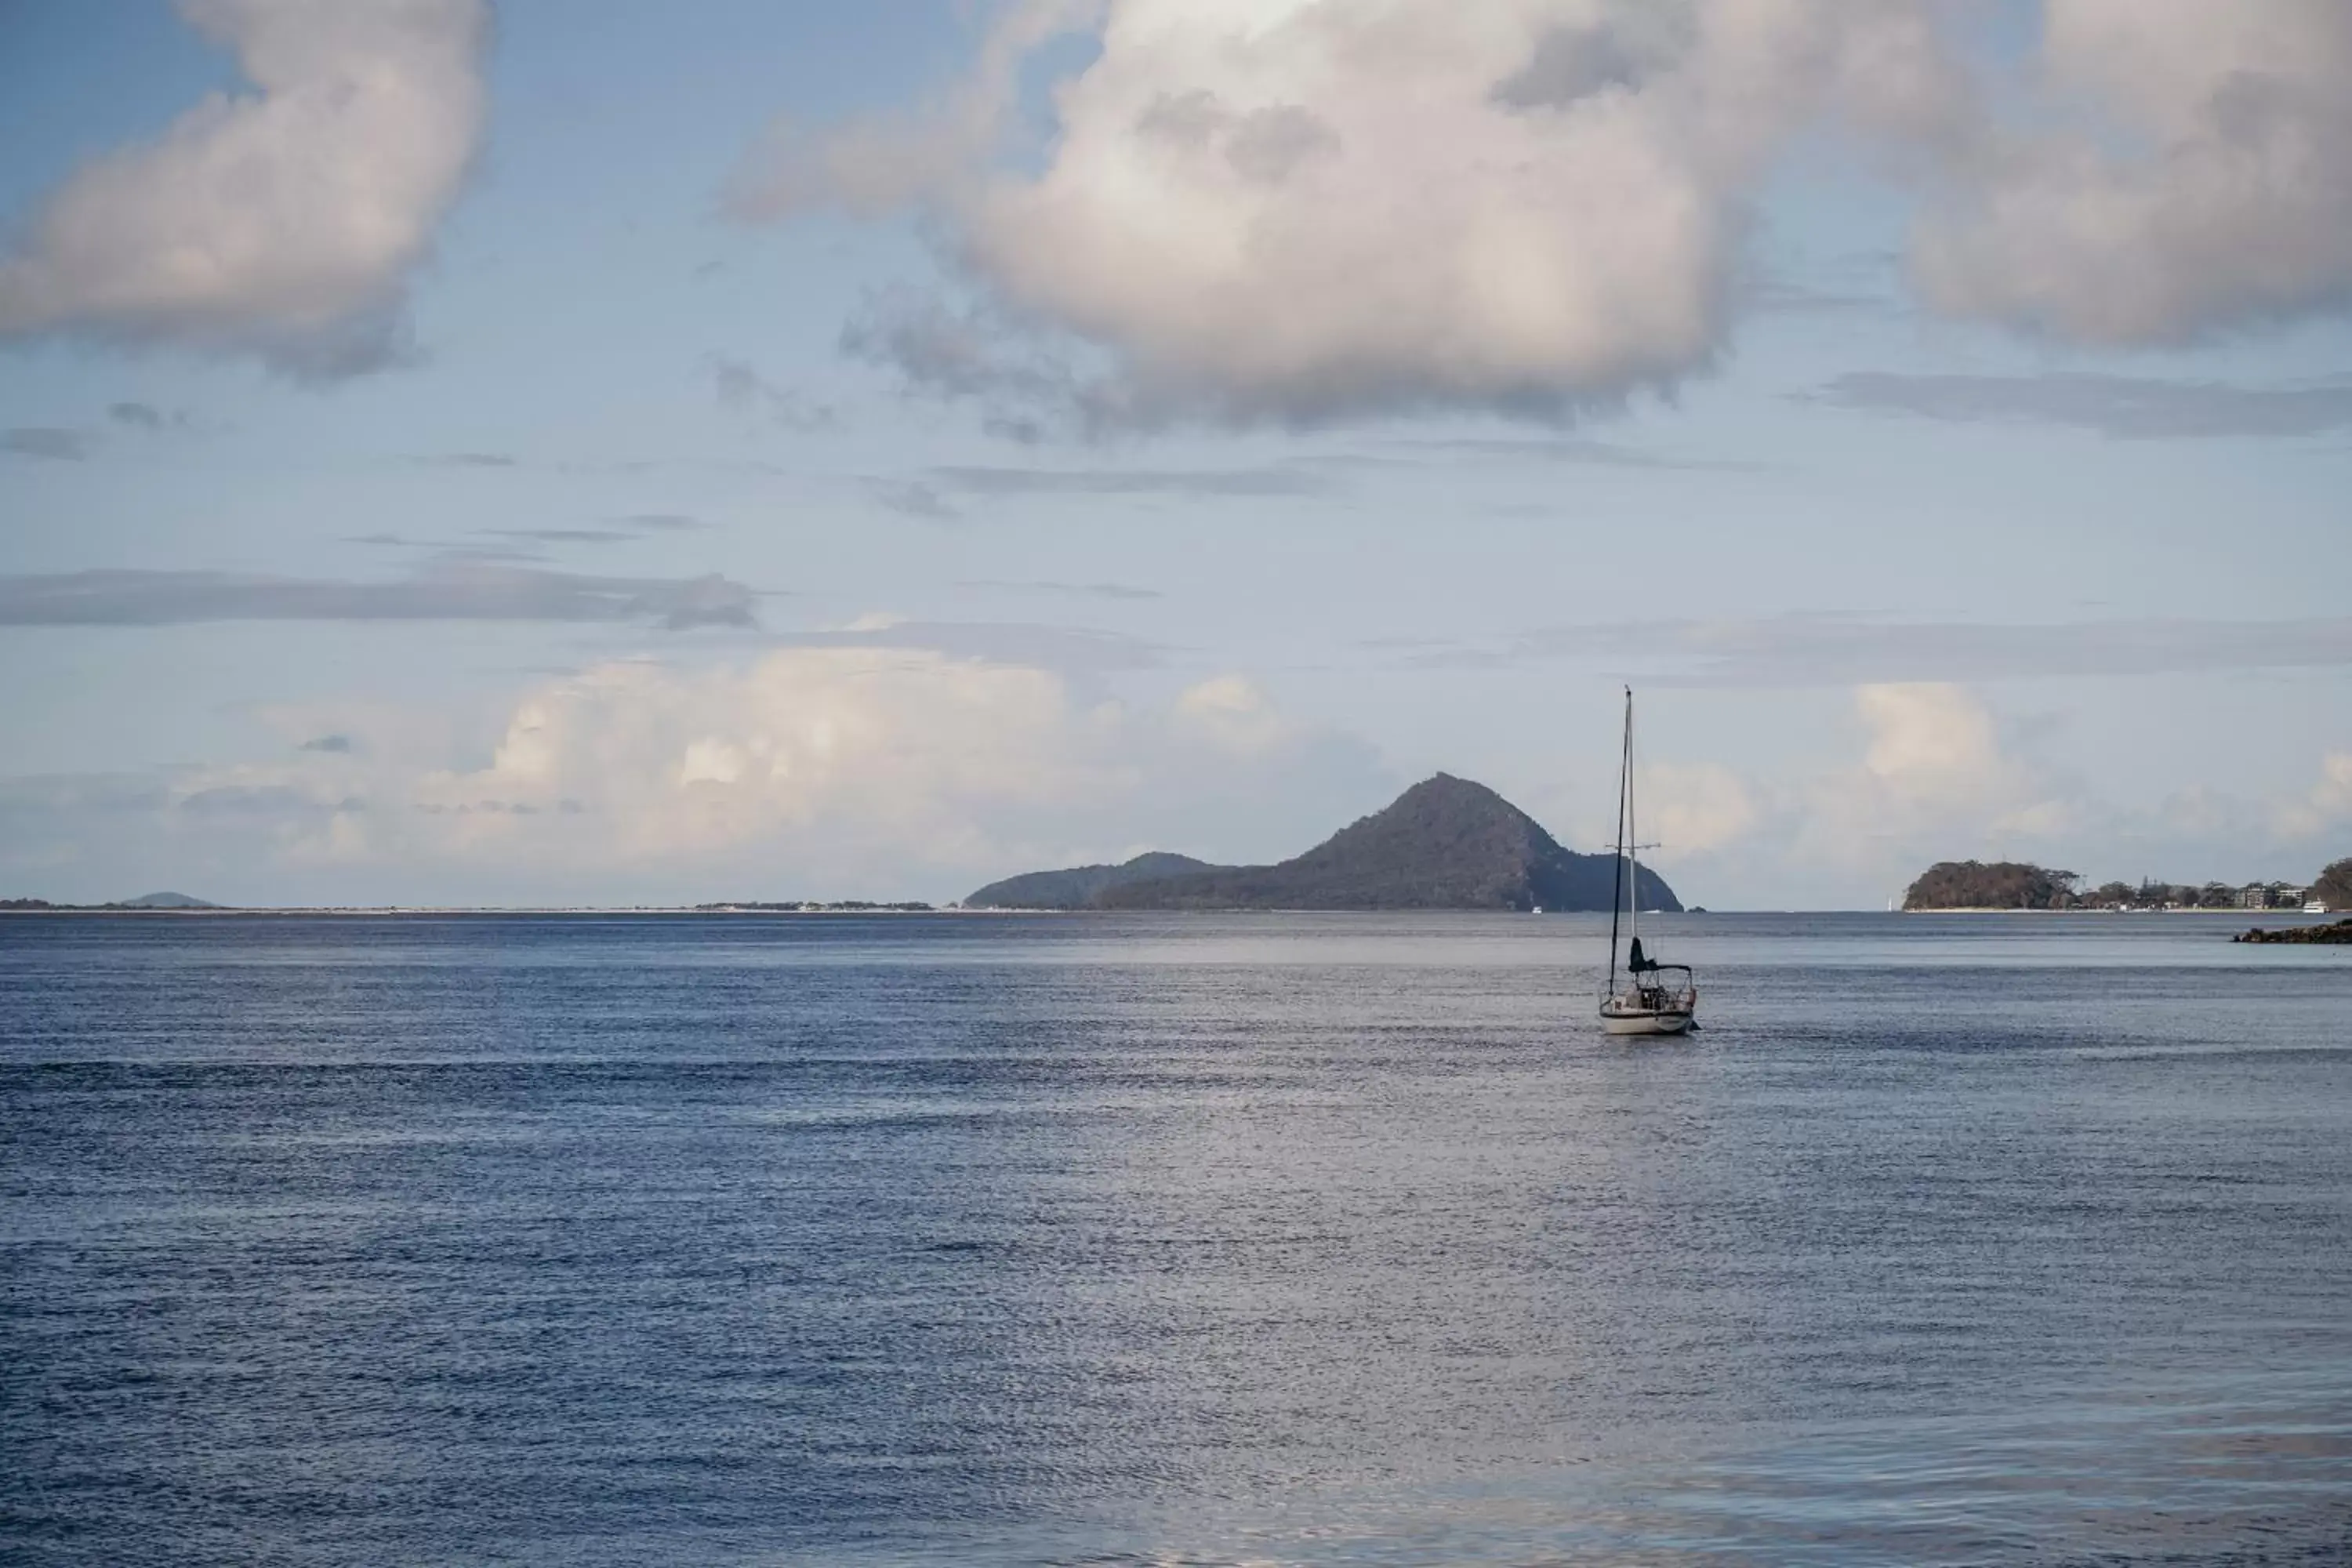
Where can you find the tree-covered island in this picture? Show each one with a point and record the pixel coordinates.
(2019, 885)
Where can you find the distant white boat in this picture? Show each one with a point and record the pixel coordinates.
(2315, 907)
(1656, 998)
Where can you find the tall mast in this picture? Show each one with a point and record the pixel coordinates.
(1617, 866)
(1633, 834)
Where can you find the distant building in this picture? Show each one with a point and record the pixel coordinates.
(2256, 897)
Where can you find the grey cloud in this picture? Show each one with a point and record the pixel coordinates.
(468, 460)
(741, 387)
(1358, 292)
(308, 198)
(1192, 482)
(1569, 449)
(623, 530)
(1022, 430)
(1571, 64)
(1269, 146)
(494, 808)
(1074, 649)
(1079, 590)
(1821, 650)
(562, 535)
(912, 498)
(140, 416)
(264, 800)
(1186, 120)
(2192, 179)
(450, 590)
(2126, 407)
(969, 354)
(340, 744)
(39, 441)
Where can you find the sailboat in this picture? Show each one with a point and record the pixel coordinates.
(1656, 998)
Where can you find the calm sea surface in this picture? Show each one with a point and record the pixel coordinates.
(1166, 1240)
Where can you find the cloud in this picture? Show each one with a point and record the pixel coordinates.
(2127, 408)
(1193, 483)
(873, 769)
(443, 590)
(468, 460)
(872, 165)
(976, 353)
(1936, 775)
(562, 535)
(1234, 712)
(1080, 590)
(2326, 808)
(2186, 174)
(282, 223)
(1074, 650)
(741, 387)
(913, 497)
(1935, 783)
(1828, 650)
(1694, 809)
(1566, 450)
(139, 416)
(336, 743)
(1309, 213)
(39, 441)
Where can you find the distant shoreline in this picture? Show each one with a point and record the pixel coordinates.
(359, 911)
(2235, 913)
(356, 909)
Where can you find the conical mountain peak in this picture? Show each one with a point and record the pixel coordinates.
(1447, 843)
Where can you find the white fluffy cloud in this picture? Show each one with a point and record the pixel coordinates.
(1933, 778)
(2328, 807)
(823, 772)
(850, 750)
(2200, 176)
(1300, 211)
(1694, 809)
(283, 222)
(1934, 782)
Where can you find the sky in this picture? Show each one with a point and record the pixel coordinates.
(604, 453)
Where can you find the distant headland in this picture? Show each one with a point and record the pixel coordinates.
(1444, 844)
(144, 901)
(2018, 885)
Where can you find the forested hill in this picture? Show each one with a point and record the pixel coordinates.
(1444, 844)
(1077, 887)
(1987, 885)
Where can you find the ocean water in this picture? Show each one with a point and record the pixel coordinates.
(1167, 1239)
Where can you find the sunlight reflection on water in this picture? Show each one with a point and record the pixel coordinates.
(1300, 1239)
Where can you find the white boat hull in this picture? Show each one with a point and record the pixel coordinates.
(1644, 1022)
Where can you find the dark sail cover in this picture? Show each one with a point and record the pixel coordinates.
(1640, 963)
